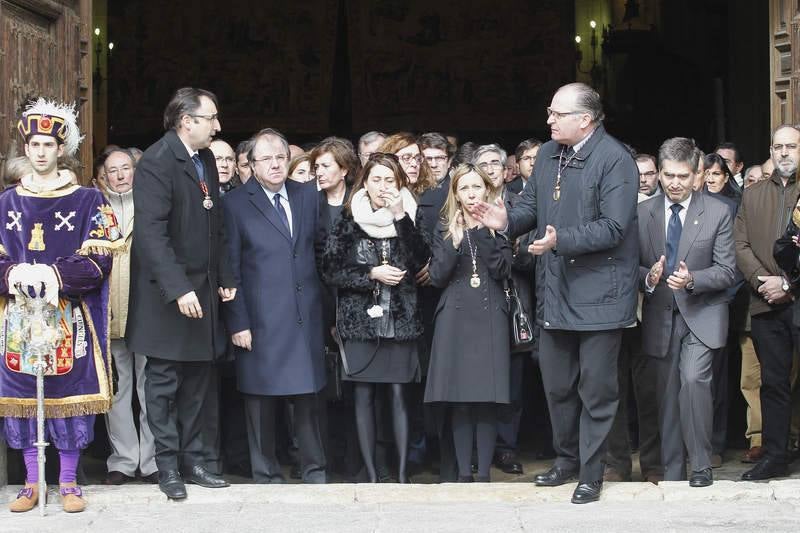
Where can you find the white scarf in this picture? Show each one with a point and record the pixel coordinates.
(380, 224)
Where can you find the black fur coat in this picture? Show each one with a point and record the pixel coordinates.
(342, 268)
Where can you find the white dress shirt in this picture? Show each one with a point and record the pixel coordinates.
(284, 202)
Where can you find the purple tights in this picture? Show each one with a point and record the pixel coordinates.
(68, 460)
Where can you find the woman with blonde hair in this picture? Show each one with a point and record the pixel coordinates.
(371, 256)
(404, 146)
(300, 168)
(469, 367)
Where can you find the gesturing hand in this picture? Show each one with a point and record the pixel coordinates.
(189, 305)
(493, 216)
(656, 271)
(680, 278)
(548, 242)
(243, 339)
(393, 202)
(387, 274)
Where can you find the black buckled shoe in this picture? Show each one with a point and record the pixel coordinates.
(554, 477)
(587, 492)
(171, 484)
(703, 478)
(200, 476)
(766, 468)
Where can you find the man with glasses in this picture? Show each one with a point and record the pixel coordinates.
(648, 176)
(368, 144)
(526, 153)
(582, 205)
(762, 218)
(226, 165)
(274, 232)
(130, 449)
(437, 152)
(179, 275)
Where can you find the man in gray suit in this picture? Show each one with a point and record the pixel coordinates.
(687, 261)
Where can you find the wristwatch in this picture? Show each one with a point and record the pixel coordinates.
(785, 286)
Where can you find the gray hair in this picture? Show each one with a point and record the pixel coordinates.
(587, 100)
(486, 148)
(784, 126)
(119, 151)
(680, 150)
(370, 137)
(266, 132)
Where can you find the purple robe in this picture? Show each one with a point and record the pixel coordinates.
(74, 230)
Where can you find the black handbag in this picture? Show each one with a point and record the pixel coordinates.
(521, 325)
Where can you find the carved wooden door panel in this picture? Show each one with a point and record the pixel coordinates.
(44, 52)
(784, 31)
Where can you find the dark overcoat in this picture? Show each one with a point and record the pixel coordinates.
(470, 359)
(279, 298)
(178, 247)
(589, 281)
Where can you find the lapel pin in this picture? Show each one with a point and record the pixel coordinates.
(695, 222)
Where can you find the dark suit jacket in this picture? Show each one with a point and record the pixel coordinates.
(279, 298)
(706, 246)
(178, 247)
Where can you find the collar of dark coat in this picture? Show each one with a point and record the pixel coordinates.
(177, 146)
(586, 149)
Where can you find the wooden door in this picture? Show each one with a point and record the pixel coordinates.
(784, 20)
(44, 51)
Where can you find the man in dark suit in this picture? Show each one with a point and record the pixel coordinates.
(581, 202)
(687, 262)
(276, 319)
(179, 273)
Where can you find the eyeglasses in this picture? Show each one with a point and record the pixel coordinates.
(527, 158)
(407, 158)
(558, 115)
(228, 160)
(280, 159)
(210, 118)
(648, 174)
(780, 147)
(435, 159)
(494, 164)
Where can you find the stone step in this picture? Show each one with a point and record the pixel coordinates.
(347, 494)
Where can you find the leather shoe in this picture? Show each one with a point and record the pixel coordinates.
(766, 468)
(117, 478)
(753, 455)
(703, 478)
(507, 462)
(554, 477)
(587, 492)
(200, 476)
(151, 478)
(612, 474)
(171, 484)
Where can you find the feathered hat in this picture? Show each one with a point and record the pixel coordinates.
(48, 117)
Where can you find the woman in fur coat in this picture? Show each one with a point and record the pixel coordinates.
(371, 257)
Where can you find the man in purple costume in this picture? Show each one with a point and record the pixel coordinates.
(56, 239)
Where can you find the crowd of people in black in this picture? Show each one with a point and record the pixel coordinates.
(367, 309)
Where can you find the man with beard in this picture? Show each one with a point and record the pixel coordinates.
(763, 215)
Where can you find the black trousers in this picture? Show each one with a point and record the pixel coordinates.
(260, 412)
(175, 394)
(579, 370)
(641, 372)
(774, 339)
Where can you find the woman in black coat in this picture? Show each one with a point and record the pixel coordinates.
(470, 358)
(371, 257)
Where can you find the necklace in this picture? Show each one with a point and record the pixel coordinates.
(561, 167)
(475, 280)
(384, 252)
